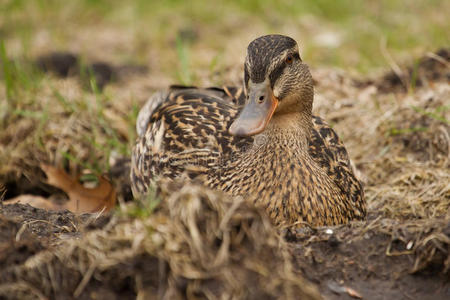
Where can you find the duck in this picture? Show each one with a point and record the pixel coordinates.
(260, 142)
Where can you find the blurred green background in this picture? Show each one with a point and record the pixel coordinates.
(349, 34)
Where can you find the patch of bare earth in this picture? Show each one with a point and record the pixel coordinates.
(200, 244)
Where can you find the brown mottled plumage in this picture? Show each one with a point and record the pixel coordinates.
(260, 142)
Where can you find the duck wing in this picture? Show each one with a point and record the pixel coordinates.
(184, 131)
(329, 152)
(230, 94)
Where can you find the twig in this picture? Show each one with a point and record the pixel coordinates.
(87, 276)
(394, 66)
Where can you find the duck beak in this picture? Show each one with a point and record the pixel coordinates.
(257, 111)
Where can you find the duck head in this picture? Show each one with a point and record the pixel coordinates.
(277, 83)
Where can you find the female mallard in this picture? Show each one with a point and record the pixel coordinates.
(274, 152)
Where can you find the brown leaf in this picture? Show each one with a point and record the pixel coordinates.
(352, 293)
(82, 199)
(339, 289)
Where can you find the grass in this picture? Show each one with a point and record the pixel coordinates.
(79, 122)
(17, 76)
(76, 124)
(401, 131)
(7, 72)
(339, 33)
(438, 113)
(398, 142)
(184, 74)
(144, 206)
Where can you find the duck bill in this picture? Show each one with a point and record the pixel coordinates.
(256, 113)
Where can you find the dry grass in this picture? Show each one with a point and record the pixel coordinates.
(398, 141)
(198, 244)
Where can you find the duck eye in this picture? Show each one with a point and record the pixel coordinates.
(289, 59)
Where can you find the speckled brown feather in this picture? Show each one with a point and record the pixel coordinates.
(187, 134)
(295, 166)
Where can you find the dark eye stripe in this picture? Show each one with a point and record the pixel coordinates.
(276, 73)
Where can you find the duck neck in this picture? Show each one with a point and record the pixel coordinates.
(288, 129)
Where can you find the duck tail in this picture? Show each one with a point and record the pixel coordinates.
(147, 111)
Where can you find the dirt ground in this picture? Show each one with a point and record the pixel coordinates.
(199, 244)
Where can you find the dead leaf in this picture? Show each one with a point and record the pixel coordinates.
(81, 198)
(353, 293)
(340, 289)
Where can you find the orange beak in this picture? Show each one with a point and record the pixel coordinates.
(257, 112)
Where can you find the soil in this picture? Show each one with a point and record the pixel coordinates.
(389, 256)
(26, 230)
(430, 68)
(346, 259)
(64, 64)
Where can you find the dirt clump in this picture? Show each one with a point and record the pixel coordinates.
(431, 68)
(64, 64)
(383, 259)
(16, 245)
(198, 244)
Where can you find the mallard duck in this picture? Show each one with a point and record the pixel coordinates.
(260, 142)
